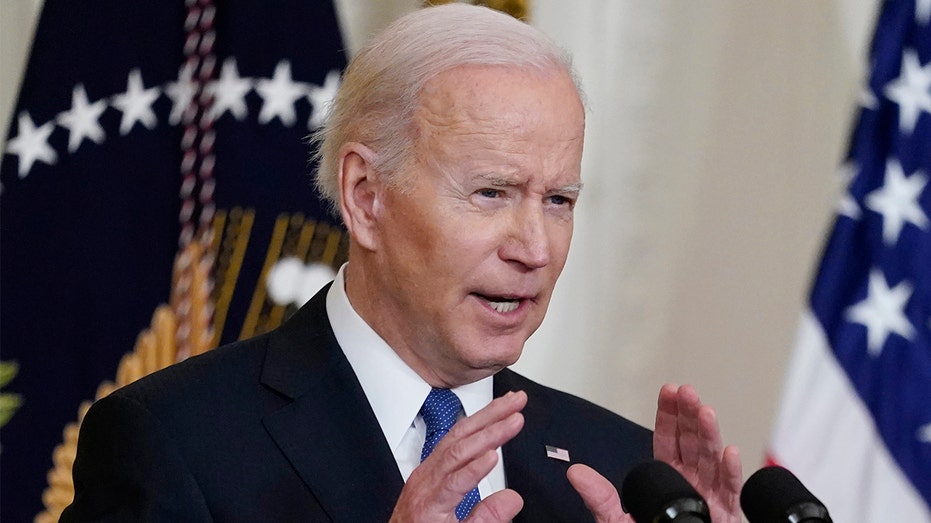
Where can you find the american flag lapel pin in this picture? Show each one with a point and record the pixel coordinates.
(557, 453)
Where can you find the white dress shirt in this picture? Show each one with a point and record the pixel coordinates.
(394, 390)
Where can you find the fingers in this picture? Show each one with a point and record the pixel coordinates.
(688, 437)
(666, 430)
(687, 433)
(463, 457)
(499, 409)
(598, 493)
(709, 448)
(730, 480)
(468, 453)
(724, 498)
(700, 444)
(689, 426)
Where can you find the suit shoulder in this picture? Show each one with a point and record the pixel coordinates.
(210, 373)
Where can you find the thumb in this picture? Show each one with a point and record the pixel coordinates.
(598, 493)
(500, 507)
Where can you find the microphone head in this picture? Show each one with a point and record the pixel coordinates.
(655, 492)
(775, 495)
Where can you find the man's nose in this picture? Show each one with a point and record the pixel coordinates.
(527, 240)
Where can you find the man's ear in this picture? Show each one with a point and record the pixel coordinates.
(359, 193)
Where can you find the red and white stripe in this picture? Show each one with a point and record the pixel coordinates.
(825, 435)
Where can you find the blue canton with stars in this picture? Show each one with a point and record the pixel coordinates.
(872, 294)
(90, 179)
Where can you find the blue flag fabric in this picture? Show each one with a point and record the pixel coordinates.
(872, 294)
(91, 176)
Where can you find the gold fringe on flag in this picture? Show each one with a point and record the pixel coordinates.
(193, 322)
(156, 348)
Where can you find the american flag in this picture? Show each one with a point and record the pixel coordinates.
(557, 453)
(104, 168)
(855, 418)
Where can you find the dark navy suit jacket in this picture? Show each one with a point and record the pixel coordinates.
(277, 428)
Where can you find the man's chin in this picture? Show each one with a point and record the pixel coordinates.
(502, 358)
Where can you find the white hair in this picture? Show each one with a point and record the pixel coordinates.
(380, 89)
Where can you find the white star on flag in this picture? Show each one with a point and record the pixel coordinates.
(924, 434)
(279, 95)
(321, 97)
(229, 92)
(868, 99)
(911, 90)
(181, 93)
(882, 312)
(897, 201)
(136, 103)
(82, 121)
(848, 204)
(31, 144)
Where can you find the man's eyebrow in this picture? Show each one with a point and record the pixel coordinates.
(496, 180)
(502, 181)
(571, 188)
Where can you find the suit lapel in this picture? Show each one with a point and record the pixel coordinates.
(540, 480)
(522, 462)
(328, 432)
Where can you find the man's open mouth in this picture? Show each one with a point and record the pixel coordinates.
(500, 304)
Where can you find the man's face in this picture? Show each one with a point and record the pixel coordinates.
(471, 247)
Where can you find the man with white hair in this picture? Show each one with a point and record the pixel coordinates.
(452, 154)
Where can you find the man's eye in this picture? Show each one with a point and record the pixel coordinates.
(489, 193)
(558, 199)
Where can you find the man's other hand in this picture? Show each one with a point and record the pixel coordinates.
(686, 436)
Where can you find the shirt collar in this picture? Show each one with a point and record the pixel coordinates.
(393, 389)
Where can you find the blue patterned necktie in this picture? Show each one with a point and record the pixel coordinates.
(439, 412)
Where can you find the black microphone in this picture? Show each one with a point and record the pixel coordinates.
(775, 495)
(654, 492)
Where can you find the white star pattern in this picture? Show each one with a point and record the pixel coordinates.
(911, 90)
(181, 93)
(923, 11)
(897, 201)
(868, 99)
(321, 97)
(279, 95)
(136, 103)
(848, 204)
(882, 312)
(31, 144)
(82, 121)
(924, 433)
(229, 92)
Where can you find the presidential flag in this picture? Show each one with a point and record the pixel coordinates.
(855, 418)
(143, 127)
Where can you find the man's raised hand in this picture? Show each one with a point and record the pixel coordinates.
(463, 457)
(687, 436)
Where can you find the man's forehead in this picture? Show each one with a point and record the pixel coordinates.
(506, 95)
(477, 79)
